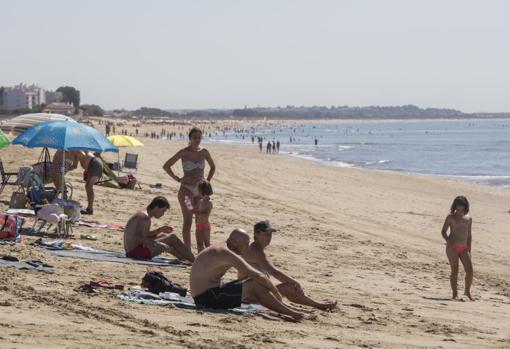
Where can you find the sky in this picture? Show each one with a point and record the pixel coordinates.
(231, 54)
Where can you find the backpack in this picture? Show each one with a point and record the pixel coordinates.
(157, 283)
(9, 227)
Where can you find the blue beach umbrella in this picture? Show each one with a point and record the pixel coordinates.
(65, 135)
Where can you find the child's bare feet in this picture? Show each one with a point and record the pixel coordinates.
(455, 295)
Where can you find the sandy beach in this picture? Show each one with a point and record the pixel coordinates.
(369, 239)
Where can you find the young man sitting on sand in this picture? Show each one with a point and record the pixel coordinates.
(288, 287)
(214, 261)
(142, 243)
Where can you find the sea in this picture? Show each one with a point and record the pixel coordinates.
(471, 150)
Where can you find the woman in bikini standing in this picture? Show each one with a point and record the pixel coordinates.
(193, 165)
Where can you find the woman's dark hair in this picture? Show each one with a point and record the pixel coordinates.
(193, 130)
(460, 201)
(205, 188)
(159, 202)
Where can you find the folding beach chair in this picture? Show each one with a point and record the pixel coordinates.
(131, 161)
(6, 177)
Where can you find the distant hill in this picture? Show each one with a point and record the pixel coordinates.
(311, 112)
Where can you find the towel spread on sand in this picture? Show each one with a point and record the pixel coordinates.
(56, 248)
(30, 265)
(98, 225)
(164, 298)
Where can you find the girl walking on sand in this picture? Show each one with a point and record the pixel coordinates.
(458, 243)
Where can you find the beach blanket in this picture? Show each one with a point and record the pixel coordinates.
(165, 298)
(57, 248)
(29, 265)
(98, 225)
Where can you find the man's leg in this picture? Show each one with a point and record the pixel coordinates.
(252, 290)
(177, 248)
(288, 290)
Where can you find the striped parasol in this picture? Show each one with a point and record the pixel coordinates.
(20, 124)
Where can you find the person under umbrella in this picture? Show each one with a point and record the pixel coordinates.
(78, 139)
(92, 166)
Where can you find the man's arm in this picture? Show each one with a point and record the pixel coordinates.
(261, 259)
(245, 269)
(445, 228)
(146, 236)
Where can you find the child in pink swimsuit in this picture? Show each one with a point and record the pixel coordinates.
(202, 206)
(458, 243)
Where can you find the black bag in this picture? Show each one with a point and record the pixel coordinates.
(156, 283)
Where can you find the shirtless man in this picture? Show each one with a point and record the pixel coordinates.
(288, 287)
(89, 162)
(212, 263)
(142, 243)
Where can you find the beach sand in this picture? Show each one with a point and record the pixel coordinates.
(369, 239)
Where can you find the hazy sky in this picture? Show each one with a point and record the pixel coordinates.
(204, 54)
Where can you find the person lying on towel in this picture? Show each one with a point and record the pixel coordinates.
(141, 242)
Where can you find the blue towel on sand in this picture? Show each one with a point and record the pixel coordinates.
(143, 297)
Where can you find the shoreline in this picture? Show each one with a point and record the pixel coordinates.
(340, 164)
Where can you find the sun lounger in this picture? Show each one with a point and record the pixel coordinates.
(6, 177)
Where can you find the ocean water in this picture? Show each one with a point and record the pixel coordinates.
(473, 150)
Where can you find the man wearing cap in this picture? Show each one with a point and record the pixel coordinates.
(288, 287)
(212, 263)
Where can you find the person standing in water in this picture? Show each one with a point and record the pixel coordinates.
(193, 159)
(458, 243)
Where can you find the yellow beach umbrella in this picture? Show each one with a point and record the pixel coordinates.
(124, 141)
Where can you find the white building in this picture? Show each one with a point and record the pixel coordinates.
(60, 108)
(23, 97)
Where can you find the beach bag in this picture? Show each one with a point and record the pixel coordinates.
(157, 283)
(18, 200)
(9, 227)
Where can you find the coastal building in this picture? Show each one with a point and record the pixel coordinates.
(54, 96)
(60, 108)
(23, 97)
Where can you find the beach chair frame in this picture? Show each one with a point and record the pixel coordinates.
(6, 176)
(130, 161)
